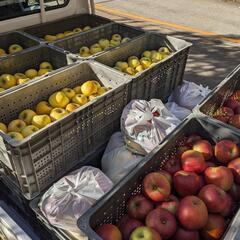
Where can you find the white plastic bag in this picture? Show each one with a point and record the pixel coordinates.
(178, 111)
(117, 160)
(145, 124)
(72, 196)
(189, 94)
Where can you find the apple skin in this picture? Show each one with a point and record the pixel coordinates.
(183, 234)
(214, 228)
(229, 209)
(231, 103)
(163, 222)
(234, 165)
(156, 186)
(167, 175)
(109, 232)
(214, 197)
(192, 139)
(186, 183)
(171, 204)
(138, 207)
(235, 120)
(223, 114)
(204, 147)
(193, 161)
(235, 192)
(172, 165)
(220, 176)
(192, 213)
(145, 233)
(225, 151)
(126, 225)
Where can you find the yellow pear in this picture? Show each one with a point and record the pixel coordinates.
(31, 73)
(97, 84)
(117, 37)
(69, 92)
(58, 100)
(95, 48)
(42, 72)
(86, 28)
(145, 62)
(156, 56)
(21, 78)
(3, 127)
(77, 30)
(46, 65)
(101, 91)
(80, 99)
(104, 43)
(133, 62)
(15, 48)
(43, 108)
(130, 71)
(77, 89)
(50, 38)
(146, 54)
(29, 130)
(40, 121)
(68, 33)
(60, 36)
(2, 52)
(72, 107)
(84, 50)
(27, 116)
(16, 125)
(126, 39)
(121, 65)
(7, 81)
(88, 88)
(16, 136)
(139, 69)
(58, 113)
(114, 43)
(164, 50)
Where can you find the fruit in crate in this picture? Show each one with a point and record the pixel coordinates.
(116, 37)
(183, 234)
(58, 100)
(72, 107)
(133, 61)
(69, 93)
(77, 89)
(84, 50)
(46, 65)
(88, 88)
(42, 72)
(29, 130)
(68, 33)
(126, 39)
(50, 38)
(235, 120)
(235, 191)
(77, 30)
(114, 43)
(2, 52)
(43, 108)
(121, 65)
(129, 70)
(58, 113)
(101, 91)
(109, 232)
(223, 114)
(234, 165)
(104, 43)
(14, 48)
(171, 204)
(204, 147)
(16, 125)
(145, 62)
(3, 127)
(145, 233)
(21, 78)
(60, 35)
(40, 121)
(31, 73)
(80, 99)
(7, 81)
(27, 116)
(15, 135)
(86, 28)
(95, 48)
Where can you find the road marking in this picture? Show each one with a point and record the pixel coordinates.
(122, 13)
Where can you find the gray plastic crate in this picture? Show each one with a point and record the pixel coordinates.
(32, 59)
(217, 98)
(66, 24)
(37, 161)
(74, 43)
(159, 79)
(112, 206)
(7, 39)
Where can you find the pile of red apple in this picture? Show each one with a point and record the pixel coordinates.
(230, 111)
(192, 198)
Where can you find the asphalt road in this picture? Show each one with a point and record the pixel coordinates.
(211, 25)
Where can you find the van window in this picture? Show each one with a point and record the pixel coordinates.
(16, 8)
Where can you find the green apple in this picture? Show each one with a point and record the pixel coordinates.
(104, 43)
(46, 65)
(121, 65)
(146, 54)
(15, 48)
(84, 50)
(144, 233)
(77, 30)
(164, 50)
(86, 28)
(126, 39)
(133, 61)
(114, 43)
(95, 48)
(156, 56)
(117, 37)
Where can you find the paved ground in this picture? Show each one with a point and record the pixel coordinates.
(211, 25)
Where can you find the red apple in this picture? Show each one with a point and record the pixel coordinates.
(183, 234)
(145, 233)
(167, 175)
(204, 147)
(193, 161)
(234, 165)
(182, 149)
(171, 204)
(126, 225)
(237, 110)
(163, 222)
(138, 207)
(231, 103)
(235, 120)
(220, 176)
(192, 213)
(186, 183)
(226, 150)
(109, 232)
(214, 197)
(156, 186)
(235, 192)
(236, 95)
(229, 208)
(172, 165)
(223, 114)
(214, 228)
(192, 139)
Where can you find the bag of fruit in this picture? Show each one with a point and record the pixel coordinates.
(117, 160)
(189, 94)
(145, 124)
(178, 111)
(71, 196)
